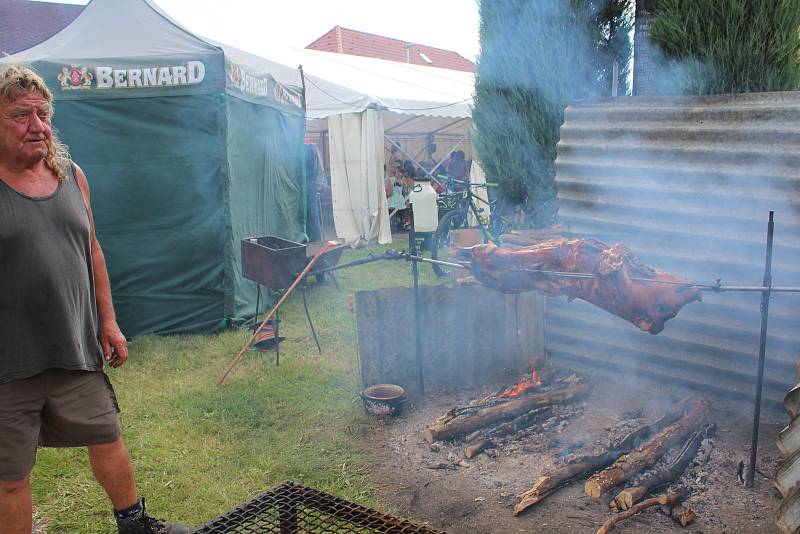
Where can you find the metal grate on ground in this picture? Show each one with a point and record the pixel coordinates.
(294, 509)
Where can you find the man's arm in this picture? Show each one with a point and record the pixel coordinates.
(115, 347)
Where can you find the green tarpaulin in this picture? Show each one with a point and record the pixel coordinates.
(189, 146)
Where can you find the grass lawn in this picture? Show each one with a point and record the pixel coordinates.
(199, 450)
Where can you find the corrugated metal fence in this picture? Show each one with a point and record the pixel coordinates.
(687, 184)
(473, 336)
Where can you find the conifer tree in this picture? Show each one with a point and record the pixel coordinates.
(536, 56)
(727, 46)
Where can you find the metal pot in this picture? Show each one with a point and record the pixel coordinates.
(383, 399)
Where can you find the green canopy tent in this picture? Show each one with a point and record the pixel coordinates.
(189, 146)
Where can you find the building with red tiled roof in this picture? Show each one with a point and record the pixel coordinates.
(24, 24)
(356, 43)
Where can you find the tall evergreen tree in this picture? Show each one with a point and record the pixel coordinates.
(537, 55)
(727, 46)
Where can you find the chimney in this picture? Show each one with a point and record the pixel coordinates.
(339, 47)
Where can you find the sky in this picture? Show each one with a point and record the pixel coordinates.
(262, 26)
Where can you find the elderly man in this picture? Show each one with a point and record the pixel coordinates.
(57, 321)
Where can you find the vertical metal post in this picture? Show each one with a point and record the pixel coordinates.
(517, 341)
(277, 321)
(308, 316)
(762, 347)
(615, 78)
(412, 245)
(258, 301)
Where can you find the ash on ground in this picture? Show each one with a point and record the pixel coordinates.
(435, 483)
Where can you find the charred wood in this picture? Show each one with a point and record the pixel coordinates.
(630, 496)
(648, 454)
(501, 412)
(670, 499)
(585, 465)
(682, 515)
(519, 423)
(478, 443)
(475, 448)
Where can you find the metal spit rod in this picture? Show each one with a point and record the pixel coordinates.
(711, 287)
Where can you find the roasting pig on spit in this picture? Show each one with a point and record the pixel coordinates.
(619, 283)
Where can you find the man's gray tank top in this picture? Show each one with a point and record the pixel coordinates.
(48, 314)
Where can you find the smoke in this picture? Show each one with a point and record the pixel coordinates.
(535, 57)
(686, 183)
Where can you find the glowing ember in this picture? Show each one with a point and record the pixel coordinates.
(526, 384)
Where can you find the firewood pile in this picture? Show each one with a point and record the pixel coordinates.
(630, 471)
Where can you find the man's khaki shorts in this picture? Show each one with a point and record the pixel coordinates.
(56, 408)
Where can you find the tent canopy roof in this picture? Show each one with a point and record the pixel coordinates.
(341, 83)
(118, 28)
(133, 35)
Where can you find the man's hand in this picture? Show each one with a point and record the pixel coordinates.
(115, 347)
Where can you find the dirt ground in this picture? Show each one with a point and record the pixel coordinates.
(420, 481)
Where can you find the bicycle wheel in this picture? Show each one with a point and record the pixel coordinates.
(499, 225)
(440, 244)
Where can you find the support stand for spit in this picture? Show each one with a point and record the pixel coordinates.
(412, 247)
(766, 289)
(762, 347)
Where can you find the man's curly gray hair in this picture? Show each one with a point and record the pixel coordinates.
(17, 81)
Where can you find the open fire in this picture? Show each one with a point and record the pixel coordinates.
(636, 460)
(523, 386)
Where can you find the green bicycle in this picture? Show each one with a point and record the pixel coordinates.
(454, 213)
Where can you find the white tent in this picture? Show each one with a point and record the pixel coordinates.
(415, 107)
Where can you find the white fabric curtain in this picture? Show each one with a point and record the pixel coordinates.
(360, 213)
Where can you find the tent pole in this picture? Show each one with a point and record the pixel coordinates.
(303, 94)
(449, 153)
(446, 126)
(412, 119)
(429, 173)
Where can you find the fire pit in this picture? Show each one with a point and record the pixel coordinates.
(474, 479)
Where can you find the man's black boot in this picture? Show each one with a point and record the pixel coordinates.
(141, 523)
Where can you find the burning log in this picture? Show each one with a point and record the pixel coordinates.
(649, 453)
(671, 500)
(609, 277)
(509, 427)
(550, 482)
(501, 412)
(526, 384)
(630, 496)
